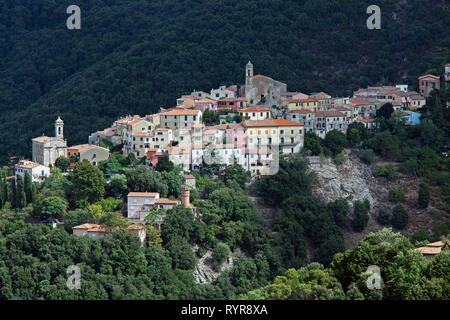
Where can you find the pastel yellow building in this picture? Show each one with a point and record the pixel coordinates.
(303, 104)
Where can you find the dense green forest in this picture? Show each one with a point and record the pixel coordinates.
(135, 56)
(405, 274)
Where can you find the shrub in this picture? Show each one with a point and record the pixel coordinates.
(219, 255)
(200, 252)
(419, 236)
(368, 156)
(399, 217)
(423, 196)
(396, 195)
(384, 217)
(339, 159)
(387, 171)
(360, 215)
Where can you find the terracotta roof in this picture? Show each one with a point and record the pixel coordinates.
(181, 112)
(97, 229)
(41, 139)
(27, 164)
(254, 109)
(184, 106)
(166, 201)
(286, 123)
(429, 250)
(367, 120)
(133, 122)
(188, 176)
(270, 123)
(143, 194)
(225, 126)
(429, 76)
(86, 226)
(206, 101)
(82, 147)
(261, 76)
(436, 244)
(342, 109)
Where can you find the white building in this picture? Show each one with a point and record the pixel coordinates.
(222, 92)
(47, 149)
(38, 172)
(255, 113)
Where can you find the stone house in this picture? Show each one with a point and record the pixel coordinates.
(94, 154)
(428, 83)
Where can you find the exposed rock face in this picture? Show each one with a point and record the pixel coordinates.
(350, 178)
(204, 273)
(354, 178)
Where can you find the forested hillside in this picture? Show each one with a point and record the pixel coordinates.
(135, 56)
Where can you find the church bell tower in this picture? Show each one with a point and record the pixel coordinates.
(249, 75)
(59, 128)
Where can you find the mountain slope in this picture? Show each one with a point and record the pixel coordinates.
(135, 56)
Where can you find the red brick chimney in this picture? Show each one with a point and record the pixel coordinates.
(185, 196)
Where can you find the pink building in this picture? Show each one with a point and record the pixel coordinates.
(205, 104)
(234, 133)
(428, 83)
(227, 103)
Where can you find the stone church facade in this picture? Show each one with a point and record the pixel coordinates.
(47, 149)
(259, 86)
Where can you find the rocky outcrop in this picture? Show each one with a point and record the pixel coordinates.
(203, 271)
(352, 178)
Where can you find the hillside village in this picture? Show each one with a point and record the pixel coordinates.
(254, 124)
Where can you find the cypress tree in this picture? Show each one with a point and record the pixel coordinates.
(424, 196)
(19, 191)
(2, 199)
(28, 187)
(5, 189)
(13, 194)
(23, 200)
